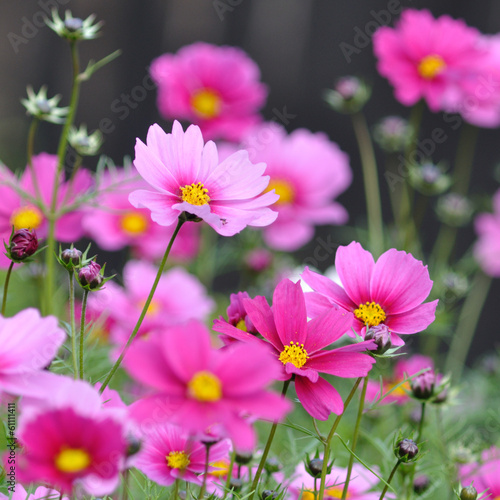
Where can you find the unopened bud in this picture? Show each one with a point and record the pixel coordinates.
(90, 275)
(23, 244)
(421, 484)
(272, 465)
(315, 467)
(469, 493)
(71, 256)
(393, 134)
(73, 24)
(269, 495)
(235, 484)
(134, 445)
(422, 385)
(429, 179)
(407, 450)
(349, 95)
(454, 209)
(243, 458)
(381, 335)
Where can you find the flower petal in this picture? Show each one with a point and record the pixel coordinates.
(262, 317)
(342, 364)
(319, 399)
(414, 321)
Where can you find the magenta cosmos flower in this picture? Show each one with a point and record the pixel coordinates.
(420, 62)
(28, 343)
(72, 441)
(217, 88)
(299, 346)
(41, 493)
(487, 247)
(113, 223)
(307, 171)
(187, 177)
(25, 211)
(389, 292)
(484, 474)
(167, 453)
(199, 387)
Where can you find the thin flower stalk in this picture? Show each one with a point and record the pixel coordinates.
(389, 479)
(6, 287)
(72, 321)
(82, 329)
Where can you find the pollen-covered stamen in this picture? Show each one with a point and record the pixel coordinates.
(241, 325)
(295, 354)
(28, 217)
(205, 386)
(371, 314)
(195, 194)
(206, 103)
(133, 223)
(221, 468)
(431, 66)
(283, 189)
(72, 460)
(177, 460)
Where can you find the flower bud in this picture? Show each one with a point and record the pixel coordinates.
(73, 24)
(455, 286)
(392, 134)
(381, 335)
(258, 259)
(406, 450)
(349, 95)
(422, 385)
(89, 276)
(235, 484)
(315, 467)
(243, 458)
(23, 244)
(71, 256)
(421, 484)
(269, 495)
(272, 465)
(134, 446)
(454, 209)
(469, 493)
(83, 143)
(429, 179)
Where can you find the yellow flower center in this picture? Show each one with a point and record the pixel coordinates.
(241, 325)
(133, 223)
(195, 194)
(206, 103)
(177, 460)
(371, 314)
(307, 495)
(283, 189)
(295, 354)
(222, 468)
(205, 386)
(153, 308)
(431, 66)
(335, 492)
(72, 460)
(400, 391)
(28, 217)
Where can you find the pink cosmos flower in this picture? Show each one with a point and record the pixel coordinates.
(71, 441)
(487, 247)
(299, 346)
(188, 177)
(113, 223)
(237, 316)
(389, 292)
(24, 212)
(360, 484)
(484, 474)
(217, 88)
(307, 171)
(198, 387)
(421, 63)
(178, 298)
(28, 343)
(167, 454)
(41, 493)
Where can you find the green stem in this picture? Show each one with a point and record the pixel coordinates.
(72, 321)
(61, 155)
(229, 474)
(444, 245)
(176, 489)
(30, 149)
(263, 459)
(205, 472)
(386, 487)
(465, 158)
(421, 423)
(82, 329)
(355, 437)
(372, 189)
(326, 455)
(146, 305)
(6, 286)
(419, 437)
(467, 323)
(125, 484)
(315, 488)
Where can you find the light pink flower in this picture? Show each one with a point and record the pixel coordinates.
(390, 291)
(167, 453)
(198, 387)
(307, 171)
(420, 62)
(113, 223)
(178, 298)
(41, 493)
(28, 343)
(217, 88)
(484, 474)
(21, 211)
(188, 177)
(487, 247)
(299, 346)
(70, 441)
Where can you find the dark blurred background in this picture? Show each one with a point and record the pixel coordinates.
(297, 44)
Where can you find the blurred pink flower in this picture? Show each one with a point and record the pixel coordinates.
(390, 291)
(198, 387)
(22, 212)
(237, 316)
(178, 298)
(187, 177)
(307, 171)
(28, 343)
(71, 440)
(41, 493)
(484, 474)
(167, 454)
(420, 62)
(217, 88)
(299, 346)
(113, 223)
(487, 247)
